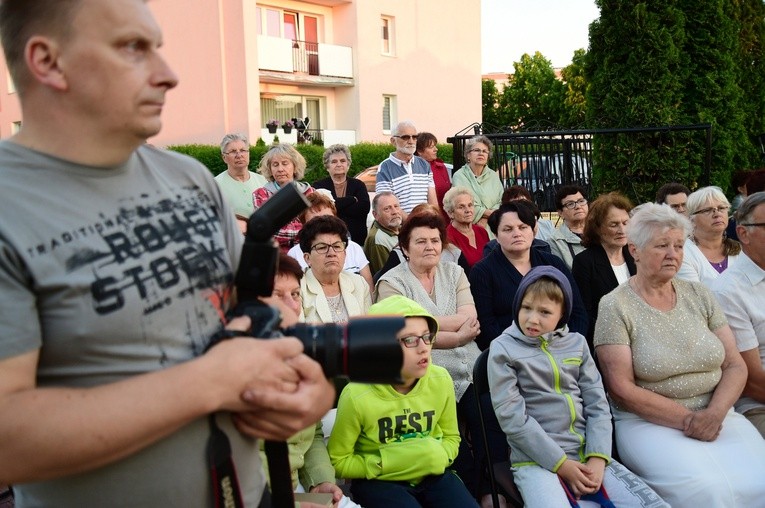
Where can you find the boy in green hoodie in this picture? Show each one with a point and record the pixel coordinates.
(396, 441)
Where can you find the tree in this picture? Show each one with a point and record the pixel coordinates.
(575, 86)
(533, 97)
(672, 63)
(749, 19)
(492, 115)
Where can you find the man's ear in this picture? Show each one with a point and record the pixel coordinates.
(41, 55)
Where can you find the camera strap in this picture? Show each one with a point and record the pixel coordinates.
(226, 492)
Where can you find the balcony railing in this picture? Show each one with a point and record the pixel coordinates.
(318, 63)
(305, 57)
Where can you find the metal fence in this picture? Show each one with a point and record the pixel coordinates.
(544, 161)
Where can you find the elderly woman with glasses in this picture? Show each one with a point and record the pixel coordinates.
(672, 371)
(238, 183)
(482, 181)
(708, 252)
(330, 295)
(281, 165)
(350, 194)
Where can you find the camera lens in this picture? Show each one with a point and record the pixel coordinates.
(365, 350)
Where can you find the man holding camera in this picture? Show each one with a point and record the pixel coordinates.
(116, 267)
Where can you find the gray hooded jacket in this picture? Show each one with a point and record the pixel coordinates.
(546, 391)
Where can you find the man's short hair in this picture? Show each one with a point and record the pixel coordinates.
(745, 211)
(378, 197)
(21, 19)
(401, 126)
(228, 138)
(670, 188)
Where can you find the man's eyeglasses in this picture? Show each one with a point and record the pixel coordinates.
(754, 224)
(712, 209)
(407, 137)
(479, 150)
(237, 152)
(323, 248)
(412, 341)
(573, 204)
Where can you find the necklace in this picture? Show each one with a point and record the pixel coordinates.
(337, 308)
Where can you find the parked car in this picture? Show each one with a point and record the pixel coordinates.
(543, 174)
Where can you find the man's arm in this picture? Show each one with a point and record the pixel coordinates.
(52, 432)
(755, 380)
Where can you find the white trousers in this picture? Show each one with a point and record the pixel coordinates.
(541, 488)
(725, 473)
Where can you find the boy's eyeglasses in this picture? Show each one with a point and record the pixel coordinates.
(413, 340)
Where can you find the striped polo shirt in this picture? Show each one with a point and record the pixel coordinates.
(408, 181)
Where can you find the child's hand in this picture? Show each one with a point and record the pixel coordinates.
(578, 477)
(598, 467)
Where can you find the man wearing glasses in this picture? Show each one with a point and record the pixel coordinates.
(404, 174)
(741, 293)
(238, 183)
(572, 207)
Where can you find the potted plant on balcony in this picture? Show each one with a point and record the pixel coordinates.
(287, 126)
(271, 125)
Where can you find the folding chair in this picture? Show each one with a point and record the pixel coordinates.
(500, 474)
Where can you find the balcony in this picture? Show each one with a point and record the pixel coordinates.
(293, 62)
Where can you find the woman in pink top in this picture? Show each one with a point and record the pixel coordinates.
(427, 149)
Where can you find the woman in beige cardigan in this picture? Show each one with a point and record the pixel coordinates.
(330, 295)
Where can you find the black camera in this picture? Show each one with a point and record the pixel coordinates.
(364, 350)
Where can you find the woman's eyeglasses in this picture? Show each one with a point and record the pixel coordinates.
(573, 204)
(711, 210)
(323, 248)
(412, 341)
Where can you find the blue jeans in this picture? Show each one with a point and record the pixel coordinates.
(445, 490)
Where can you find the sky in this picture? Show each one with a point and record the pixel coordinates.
(510, 28)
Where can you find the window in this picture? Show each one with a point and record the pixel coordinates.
(11, 84)
(288, 24)
(388, 113)
(287, 107)
(387, 36)
(15, 127)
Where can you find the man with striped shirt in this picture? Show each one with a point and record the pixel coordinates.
(403, 173)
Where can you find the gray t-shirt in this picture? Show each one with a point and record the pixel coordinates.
(115, 272)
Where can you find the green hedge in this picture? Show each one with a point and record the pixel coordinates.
(363, 155)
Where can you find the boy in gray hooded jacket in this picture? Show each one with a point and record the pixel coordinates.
(549, 399)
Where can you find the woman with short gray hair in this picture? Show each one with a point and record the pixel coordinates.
(469, 238)
(672, 372)
(350, 194)
(708, 252)
(482, 181)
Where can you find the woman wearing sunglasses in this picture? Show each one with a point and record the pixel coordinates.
(708, 252)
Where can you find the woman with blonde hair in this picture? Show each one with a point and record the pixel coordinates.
(708, 251)
(280, 165)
